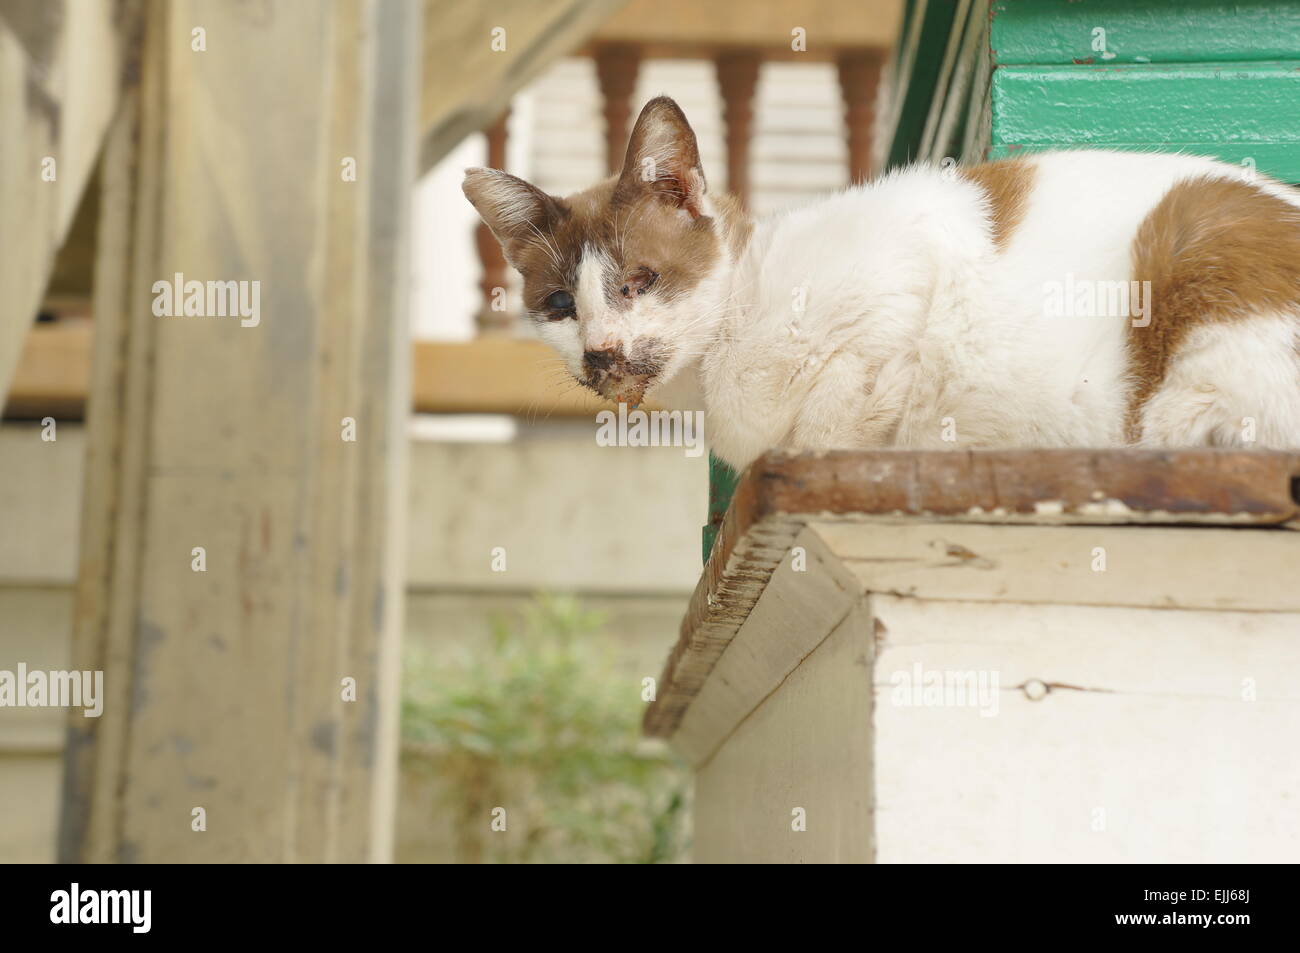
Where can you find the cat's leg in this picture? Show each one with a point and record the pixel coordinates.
(1231, 384)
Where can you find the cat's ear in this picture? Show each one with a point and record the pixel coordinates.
(663, 158)
(514, 210)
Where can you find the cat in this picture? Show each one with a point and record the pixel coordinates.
(1064, 299)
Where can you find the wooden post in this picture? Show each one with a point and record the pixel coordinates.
(490, 257)
(737, 78)
(617, 65)
(859, 73)
(240, 566)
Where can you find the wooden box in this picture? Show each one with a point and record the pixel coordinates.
(996, 657)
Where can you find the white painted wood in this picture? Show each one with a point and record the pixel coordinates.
(35, 624)
(804, 747)
(1183, 567)
(40, 503)
(1118, 716)
(1169, 748)
(800, 605)
(565, 509)
(568, 514)
(29, 807)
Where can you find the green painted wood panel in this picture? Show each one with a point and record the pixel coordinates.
(1274, 159)
(1231, 110)
(1144, 31)
(722, 484)
(927, 27)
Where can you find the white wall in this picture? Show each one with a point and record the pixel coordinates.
(618, 526)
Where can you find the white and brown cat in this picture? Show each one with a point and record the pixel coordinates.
(1068, 299)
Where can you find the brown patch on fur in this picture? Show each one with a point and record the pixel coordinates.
(1007, 184)
(635, 230)
(1215, 251)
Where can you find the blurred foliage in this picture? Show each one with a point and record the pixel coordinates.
(541, 723)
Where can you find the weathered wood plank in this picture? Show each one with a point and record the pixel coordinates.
(62, 68)
(1110, 735)
(780, 493)
(801, 757)
(1170, 567)
(478, 55)
(1190, 31)
(1247, 109)
(807, 595)
(514, 376)
(208, 432)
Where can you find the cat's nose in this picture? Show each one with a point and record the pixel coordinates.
(601, 360)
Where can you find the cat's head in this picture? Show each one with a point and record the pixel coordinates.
(626, 279)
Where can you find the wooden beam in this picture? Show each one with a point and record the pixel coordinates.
(261, 689)
(494, 375)
(61, 75)
(478, 55)
(53, 372)
(828, 24)
(499, 376)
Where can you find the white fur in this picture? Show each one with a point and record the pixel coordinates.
(687, 324)
(915, 331)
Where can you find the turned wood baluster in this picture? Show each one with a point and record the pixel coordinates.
(491, 260)
(737, 78)
(859, 72)
(617, 65)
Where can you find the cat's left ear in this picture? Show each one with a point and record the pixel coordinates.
(663, 158)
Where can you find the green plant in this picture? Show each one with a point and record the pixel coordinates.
(541, 723)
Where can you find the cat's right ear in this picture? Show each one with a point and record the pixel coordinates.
(514, 210)
(663, 158)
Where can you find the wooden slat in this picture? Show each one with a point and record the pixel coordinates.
(53, 372)
(1183, 567)
(61, 74)
(485, 376)
(829, 23)
(1189, 31)
(781, 493)
(801, 600)
(1232, 111)
(468, 81)
(497, 376)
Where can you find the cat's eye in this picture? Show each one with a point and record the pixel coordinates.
(560, 301)
(639, 282)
